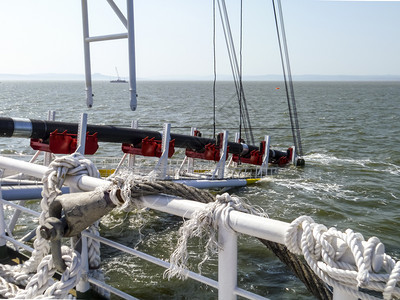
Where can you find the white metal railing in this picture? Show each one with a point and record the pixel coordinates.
(227, 281)
(238, 222)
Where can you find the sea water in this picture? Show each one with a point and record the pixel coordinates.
(351, 139)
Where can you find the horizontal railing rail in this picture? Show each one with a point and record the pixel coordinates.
(230, 225)
(193, 275)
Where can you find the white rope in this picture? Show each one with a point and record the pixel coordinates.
(42, 284)
(204, 225)
(315, 242)
(38, 285)
(7, 289)
(120, 191)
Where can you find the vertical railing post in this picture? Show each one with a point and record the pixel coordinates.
(264, 165)
(131, 157)
(190, 165)
(220, 168)
(131, 51)
(237, 140)
(47, 155)
(160, 170)
(86, 48)
(166, 138)
(227, 263)
(81, 142)
(83, 286)
(3, 247)
(294, 156)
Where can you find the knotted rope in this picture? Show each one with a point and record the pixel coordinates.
(42, 285)
(38, 285)
(316, 243)
(204, 224)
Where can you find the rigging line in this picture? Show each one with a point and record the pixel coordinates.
(241, 66)
(235, 70)
(300, 147)
(215, 68)
(227, 44)
(248, 129)
(229, 48)
(244, 114)
(288, 87)
(241, 42)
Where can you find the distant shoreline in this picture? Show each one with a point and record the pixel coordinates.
(101, 77)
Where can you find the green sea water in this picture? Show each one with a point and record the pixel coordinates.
(351, 140)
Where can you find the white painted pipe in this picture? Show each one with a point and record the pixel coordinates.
(86, 47)
(132, 55)
(227, 263)
(2, 223)
(107, 37)
(25, 192)
(215, 183)
(84, 183)
(264, 228)
(118, 13)
(244, 223)
(83, 284)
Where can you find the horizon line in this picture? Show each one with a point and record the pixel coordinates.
(96, 76)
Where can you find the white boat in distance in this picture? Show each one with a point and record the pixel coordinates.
(118, 80)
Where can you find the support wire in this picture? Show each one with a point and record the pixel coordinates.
(236, 72)
(283, 48)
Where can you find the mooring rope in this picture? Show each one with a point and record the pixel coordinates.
(316, 244)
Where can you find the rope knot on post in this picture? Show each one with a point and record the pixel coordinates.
(344, 260)
(125, 190)
(204, 225)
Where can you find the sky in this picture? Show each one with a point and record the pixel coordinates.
(174, 37)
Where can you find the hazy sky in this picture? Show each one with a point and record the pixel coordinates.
(174, 38)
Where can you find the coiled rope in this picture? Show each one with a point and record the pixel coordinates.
(316, 244)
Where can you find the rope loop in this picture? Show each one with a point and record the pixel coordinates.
(390, 287)
(292, 239)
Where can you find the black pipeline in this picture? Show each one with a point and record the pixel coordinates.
(39, 129)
